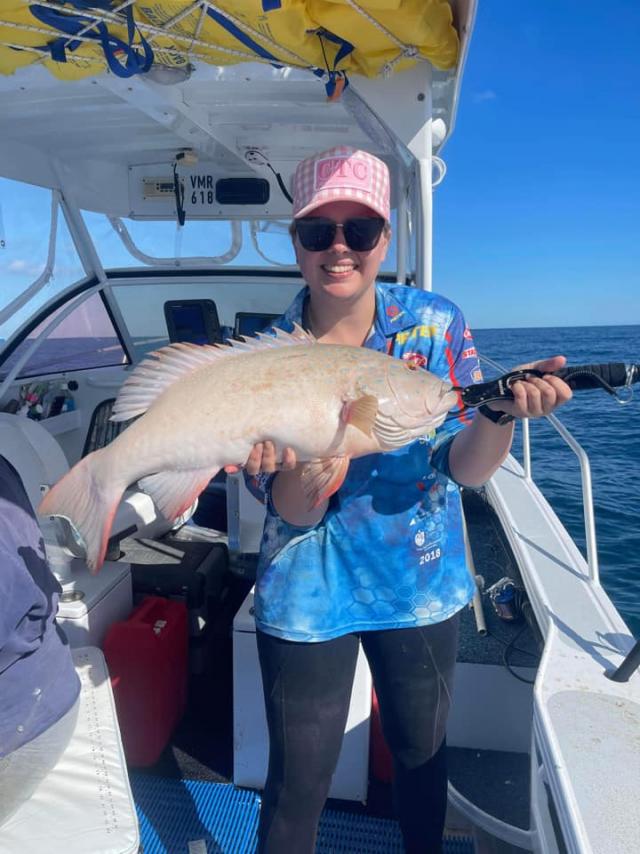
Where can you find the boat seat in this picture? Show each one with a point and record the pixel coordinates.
(85, 803)
(40, 461)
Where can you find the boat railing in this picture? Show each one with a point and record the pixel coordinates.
(585, 475)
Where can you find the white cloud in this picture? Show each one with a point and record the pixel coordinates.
(23, 267)
(485, 95)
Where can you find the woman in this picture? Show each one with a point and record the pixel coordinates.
(382, 561)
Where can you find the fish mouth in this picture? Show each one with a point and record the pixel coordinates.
(451, 398)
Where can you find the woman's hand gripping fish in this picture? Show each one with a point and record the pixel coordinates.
(204, 407)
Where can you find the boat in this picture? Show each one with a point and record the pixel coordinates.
(152, 157)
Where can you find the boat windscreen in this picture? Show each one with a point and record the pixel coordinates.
(38, 258)
(142, 305)
(263, 243)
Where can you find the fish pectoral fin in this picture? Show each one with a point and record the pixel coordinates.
(173, 492)
(321, 478)
(361, 413)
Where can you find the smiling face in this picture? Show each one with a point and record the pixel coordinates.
(338, 272)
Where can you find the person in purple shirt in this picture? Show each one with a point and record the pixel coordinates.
(381, 561)
(39, 687)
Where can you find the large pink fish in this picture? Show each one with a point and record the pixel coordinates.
(205, 407)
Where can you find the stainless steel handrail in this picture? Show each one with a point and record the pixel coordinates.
(587, 497)
(585, 473)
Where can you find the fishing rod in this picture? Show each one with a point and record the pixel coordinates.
(609, 376)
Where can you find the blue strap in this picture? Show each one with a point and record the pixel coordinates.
(242, 37)
(135, 62)
(333, 74)
(270, 5)
(87, 5)
(345, 46)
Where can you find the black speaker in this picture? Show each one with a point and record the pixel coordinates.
(242, 191)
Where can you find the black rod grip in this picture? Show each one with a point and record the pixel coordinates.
(591, 376)
(631, 663)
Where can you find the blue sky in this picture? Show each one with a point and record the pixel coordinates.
(537, 221)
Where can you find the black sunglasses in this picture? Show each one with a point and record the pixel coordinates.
(317, 233)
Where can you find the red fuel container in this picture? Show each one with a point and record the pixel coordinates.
(147, 660)
(380, 760)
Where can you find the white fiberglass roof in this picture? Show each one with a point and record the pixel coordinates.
(83, 136)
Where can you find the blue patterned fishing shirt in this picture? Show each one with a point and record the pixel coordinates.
(389, 552)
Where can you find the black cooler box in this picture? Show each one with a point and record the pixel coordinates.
(189, 566)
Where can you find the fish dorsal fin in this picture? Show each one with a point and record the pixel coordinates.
(165, 366)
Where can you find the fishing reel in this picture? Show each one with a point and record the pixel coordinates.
(507, 599)
(609, 376)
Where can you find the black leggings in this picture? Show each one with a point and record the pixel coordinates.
(307, 688)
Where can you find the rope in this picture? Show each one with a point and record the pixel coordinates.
(91, 23)
(406, 51)
(111, 17)
(101, 15)
(166, 30)
(179, 17)
(43, 53)
(107, 17)
(123, 57)
(257, 34)
(31, 28)
(201, 20)
(376, 24)
(409, 52)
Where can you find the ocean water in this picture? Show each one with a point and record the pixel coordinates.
(608, 432)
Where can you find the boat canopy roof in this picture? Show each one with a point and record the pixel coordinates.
(76, 38)
(104, 100)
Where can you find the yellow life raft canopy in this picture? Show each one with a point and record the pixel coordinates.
(331, 38)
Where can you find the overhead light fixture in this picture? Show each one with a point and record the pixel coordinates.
(169, 75)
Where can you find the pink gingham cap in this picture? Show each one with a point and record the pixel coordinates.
(341, 174)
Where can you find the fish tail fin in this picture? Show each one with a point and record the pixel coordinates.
(88, 500)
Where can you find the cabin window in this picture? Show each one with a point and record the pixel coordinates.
(142, 305)
(25, 225)
(260, 243)
(38, 258)
(125, 242)
(86, 338)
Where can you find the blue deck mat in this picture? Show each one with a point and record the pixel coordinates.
(193, 817)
